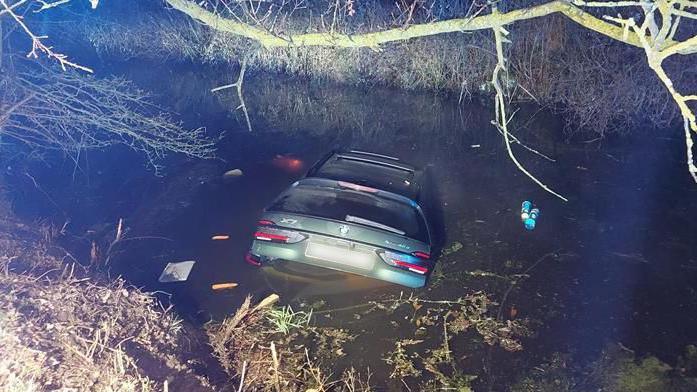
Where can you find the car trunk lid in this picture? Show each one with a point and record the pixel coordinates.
(334, 232)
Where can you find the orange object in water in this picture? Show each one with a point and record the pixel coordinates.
(288, 164)
(220, 237)
(223, 286)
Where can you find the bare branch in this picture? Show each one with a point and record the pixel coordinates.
(500, 106)
(657, 41)
(655, 58)
(611, 4)
(45, 5)
(12, 7)
(238, 87)
(38, 45)
(375, 39)
(69, 112)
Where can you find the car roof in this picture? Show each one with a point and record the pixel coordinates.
(370, 169)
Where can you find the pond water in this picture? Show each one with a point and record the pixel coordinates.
(617, 263)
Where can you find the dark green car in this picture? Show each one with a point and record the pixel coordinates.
(355, 212)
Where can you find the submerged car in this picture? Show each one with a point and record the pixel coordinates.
(355, 212)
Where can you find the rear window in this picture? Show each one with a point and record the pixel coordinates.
(363, 173)
(353, 206)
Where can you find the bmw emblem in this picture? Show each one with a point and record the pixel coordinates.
(343, 230)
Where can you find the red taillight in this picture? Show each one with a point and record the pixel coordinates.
(266, 222)
(422, 255)
(404, 261)
(272, 234)
(260, 235)
(411, 267)
(251, 259)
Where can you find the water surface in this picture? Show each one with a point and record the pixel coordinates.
(621, 262)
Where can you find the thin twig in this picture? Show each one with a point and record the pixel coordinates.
(515, 282)
(38, 45)
(276, 365)
(244, 370)
(500, 105)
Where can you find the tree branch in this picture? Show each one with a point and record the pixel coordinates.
(70, 112)
(238, 87)
(500, 106)
(657, 43)
(12, 7)
(37, 43)
(655, 58)
(375, 39)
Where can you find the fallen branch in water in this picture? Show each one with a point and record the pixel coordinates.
(238, 87)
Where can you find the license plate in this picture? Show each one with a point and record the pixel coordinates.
(340, 253)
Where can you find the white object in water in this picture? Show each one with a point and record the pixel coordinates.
(234, 173)
(176, 272)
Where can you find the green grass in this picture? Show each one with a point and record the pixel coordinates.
(284, 319)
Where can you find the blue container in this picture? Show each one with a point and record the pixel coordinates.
(531, 221)
(525, 210)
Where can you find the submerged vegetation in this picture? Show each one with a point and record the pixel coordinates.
(252, 346)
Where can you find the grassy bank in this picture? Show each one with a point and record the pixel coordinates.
(63, 326)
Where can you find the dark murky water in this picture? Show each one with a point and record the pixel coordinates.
(626, 259)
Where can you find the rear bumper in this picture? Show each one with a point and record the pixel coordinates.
(377, 269)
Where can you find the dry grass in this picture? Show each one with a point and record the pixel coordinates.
(164, 38)
(62, 328)
(597, 84)
(255, 353)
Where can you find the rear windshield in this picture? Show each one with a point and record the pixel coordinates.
(347, 205)
(382, 177)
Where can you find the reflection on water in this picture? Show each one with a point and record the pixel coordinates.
(302, 282)
(627, 259)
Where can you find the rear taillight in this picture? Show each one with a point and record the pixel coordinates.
(278, 235)
(404, 261)
(422, 255)
(412, 267)
(265, 222)
(252, 259)
(265, 236)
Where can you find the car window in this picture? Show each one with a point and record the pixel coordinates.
(362, 173)
(349, 205)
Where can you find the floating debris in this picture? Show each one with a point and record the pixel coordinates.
(454, 247)
(220, 237)
(637, 257)
(231, 174)
(528, 215)
(513, 312)
(288, 163)
(177, 272)
(223, 286)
